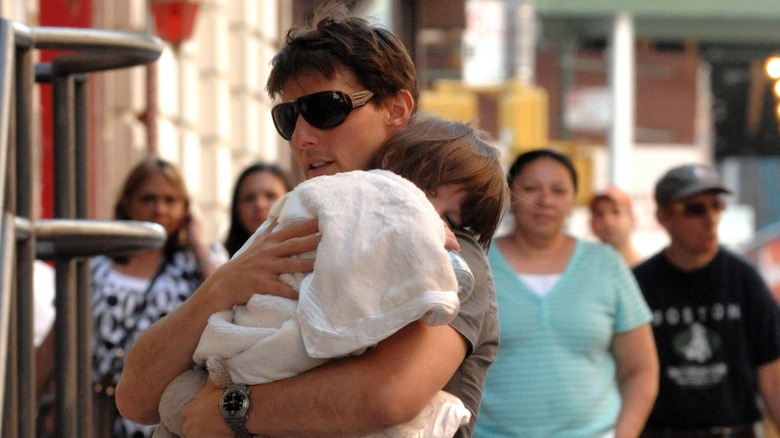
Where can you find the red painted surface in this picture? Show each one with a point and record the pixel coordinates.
(57, 13)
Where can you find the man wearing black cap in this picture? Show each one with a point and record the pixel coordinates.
(716, 325)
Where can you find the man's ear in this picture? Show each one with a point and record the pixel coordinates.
(661, 213)
(400, 108)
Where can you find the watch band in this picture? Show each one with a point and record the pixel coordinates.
(238, 425)
(234, 406)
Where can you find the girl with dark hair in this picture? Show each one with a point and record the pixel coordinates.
(257, 188)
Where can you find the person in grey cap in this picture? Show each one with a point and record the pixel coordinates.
(716, 325)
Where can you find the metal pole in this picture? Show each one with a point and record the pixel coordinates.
(83, 277)
(25, 208)
(9, 354)
(622, 67)
(8, 346)
(65, 207)
(106, 50)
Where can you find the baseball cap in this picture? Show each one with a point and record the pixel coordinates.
(612, 193)
(683, 181)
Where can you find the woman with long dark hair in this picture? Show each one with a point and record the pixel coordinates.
(257, 188)
(131, 292)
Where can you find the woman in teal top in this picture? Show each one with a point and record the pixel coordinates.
(576, 355)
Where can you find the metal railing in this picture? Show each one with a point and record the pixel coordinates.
(70, 237)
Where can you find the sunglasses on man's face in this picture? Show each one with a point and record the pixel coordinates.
(692, 208)
(323, 110)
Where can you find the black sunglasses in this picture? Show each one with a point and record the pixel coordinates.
(323, 110)
(701, 208)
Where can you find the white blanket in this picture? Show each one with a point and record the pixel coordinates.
(380, 265)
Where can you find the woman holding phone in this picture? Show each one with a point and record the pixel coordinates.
(129, 293)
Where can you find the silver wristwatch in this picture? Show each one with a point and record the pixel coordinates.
(234, 406)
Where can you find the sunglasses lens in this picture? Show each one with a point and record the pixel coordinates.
(694, 208)
(285, 117)
(700, 208)
(325, 110)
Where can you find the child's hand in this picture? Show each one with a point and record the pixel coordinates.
(450, 241)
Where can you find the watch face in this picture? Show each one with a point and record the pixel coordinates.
(234, 403)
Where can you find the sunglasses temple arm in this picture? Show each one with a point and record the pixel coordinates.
(360, 98)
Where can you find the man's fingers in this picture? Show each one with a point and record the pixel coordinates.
(293, 239)
(292, 265)
(281, 289)
(297, 264)
(297, 229)
(299, 245)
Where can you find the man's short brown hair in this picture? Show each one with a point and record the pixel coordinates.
(333, 41)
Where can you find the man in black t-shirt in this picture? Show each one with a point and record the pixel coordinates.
(716, 326)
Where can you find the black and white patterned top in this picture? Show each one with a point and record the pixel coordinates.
(123, 307)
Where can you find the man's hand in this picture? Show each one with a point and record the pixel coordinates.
(148, 371)
(202, 417)
(257, 268)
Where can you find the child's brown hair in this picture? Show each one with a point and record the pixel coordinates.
(432, 152)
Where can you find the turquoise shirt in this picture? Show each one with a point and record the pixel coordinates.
(554, 375)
